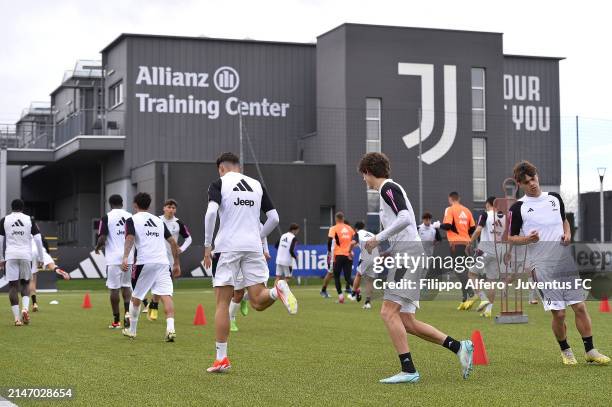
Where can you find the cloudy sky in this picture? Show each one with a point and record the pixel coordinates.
(41, 39)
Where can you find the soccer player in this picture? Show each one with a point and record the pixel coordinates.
(365, 268)
(429, 233)
(148, 234)
(538, 221)
(459, 225)
(341, 234)
(239, 199)
(399, 306)
(489, 229)
(16, 231)
(286, 253)
(111, 237)
(177, 228)
(47, 264)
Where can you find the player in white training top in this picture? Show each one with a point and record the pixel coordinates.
(111, 238)
(538, 221)
(149, 234)
(239, 199)
(400, 305)
(47, 264)
(365, 267)
(16, 232)
(177, 228)
(285, 254)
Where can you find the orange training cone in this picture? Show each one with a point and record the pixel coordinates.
(604, 305)
(86, 301)
(480, 353)
(200, 318)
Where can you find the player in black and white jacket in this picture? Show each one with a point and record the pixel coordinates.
(538, 221)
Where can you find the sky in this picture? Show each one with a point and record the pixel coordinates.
(42, 39)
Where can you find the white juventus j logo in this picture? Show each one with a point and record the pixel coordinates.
(426, 72)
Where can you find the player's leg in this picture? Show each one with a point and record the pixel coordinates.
(33, 282)
(13, 294)
(328, 276)
(163, 289)
(234, 306)
(113, 283)
(143, 277)
(357, 287)
(390, 314)
(583, 324)
(369, 290)
(126, 293)
(559, 329)
(25, 275)
(347, 269)
(463, 349)
(153, 311)
(255, 271)
(169, 311)
(223, 296)
(337, 271)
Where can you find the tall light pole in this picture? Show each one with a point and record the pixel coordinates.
(601, 171)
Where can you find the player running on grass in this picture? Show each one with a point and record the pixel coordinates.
(47, 264)
(538, 221)
(111, 238)
(239, 199)
(365, 267)
(341, 234)
(16, 231)
(399, 306)
(285, 254)
(149, 234)
(177, 228)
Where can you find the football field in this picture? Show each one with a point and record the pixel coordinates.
(327, 354)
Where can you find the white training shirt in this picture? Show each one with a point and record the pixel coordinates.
(240, 199)
(17, 231)
(286, 246)
(177, 228)
(393, 200)
(429, 235)
(493, 225)
(112, 225)
(150, 235)
(365, 259)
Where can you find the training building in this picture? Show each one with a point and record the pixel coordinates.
(157, 110)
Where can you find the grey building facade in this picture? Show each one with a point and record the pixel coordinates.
(165, 107)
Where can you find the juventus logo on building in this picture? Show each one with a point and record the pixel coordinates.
(426, 72)
(18, 223)
(243, 186)
(150, 223)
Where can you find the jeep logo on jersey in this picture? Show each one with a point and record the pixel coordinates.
(18, 233)
(244, 202)
(426, 72)
(243, 186)
(149, 233)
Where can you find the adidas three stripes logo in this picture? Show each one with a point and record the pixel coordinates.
(243, 186)
(18, 223)
(150, 223)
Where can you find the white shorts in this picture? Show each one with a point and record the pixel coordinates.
(145, 276)
(407, 306)
(117, 278)
(240, 269)
(555, 300)
(283, 271)
(46, 261)
(492, 266)
(18, 269)
(163, 285)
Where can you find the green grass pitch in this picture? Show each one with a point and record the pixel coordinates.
(327, 354)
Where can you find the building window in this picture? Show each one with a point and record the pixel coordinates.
(479, 169)
(372, 125)
(115, 95)
(326, 217)
(478, 99)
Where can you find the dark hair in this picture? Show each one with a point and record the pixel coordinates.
(524, 169)
(454, 195)
(170, 201)
(228, 158)
(339, 216)
(376, 164)
(359, 225)
(427, 215)
(142, 200)
(294, 226)
(491, 200)
(17, 205)
(115, 201)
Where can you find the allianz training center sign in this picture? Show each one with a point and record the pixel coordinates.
(225, 79)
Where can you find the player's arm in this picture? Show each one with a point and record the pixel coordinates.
(482, 221)
(354, 242)
(2, 234)
(272, 218)
(472, 226)
(102, 233)
(210, 219)
(176, 267)
(184, 233)
(264, 246)
(292, 248)
(447, 221)
(567, 230)
(394, 198)
(438, 237)
(516, 224)
(38, 241)
(130, 232)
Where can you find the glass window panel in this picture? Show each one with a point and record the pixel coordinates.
(478, 77)
(372, 108)
(372, 130)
